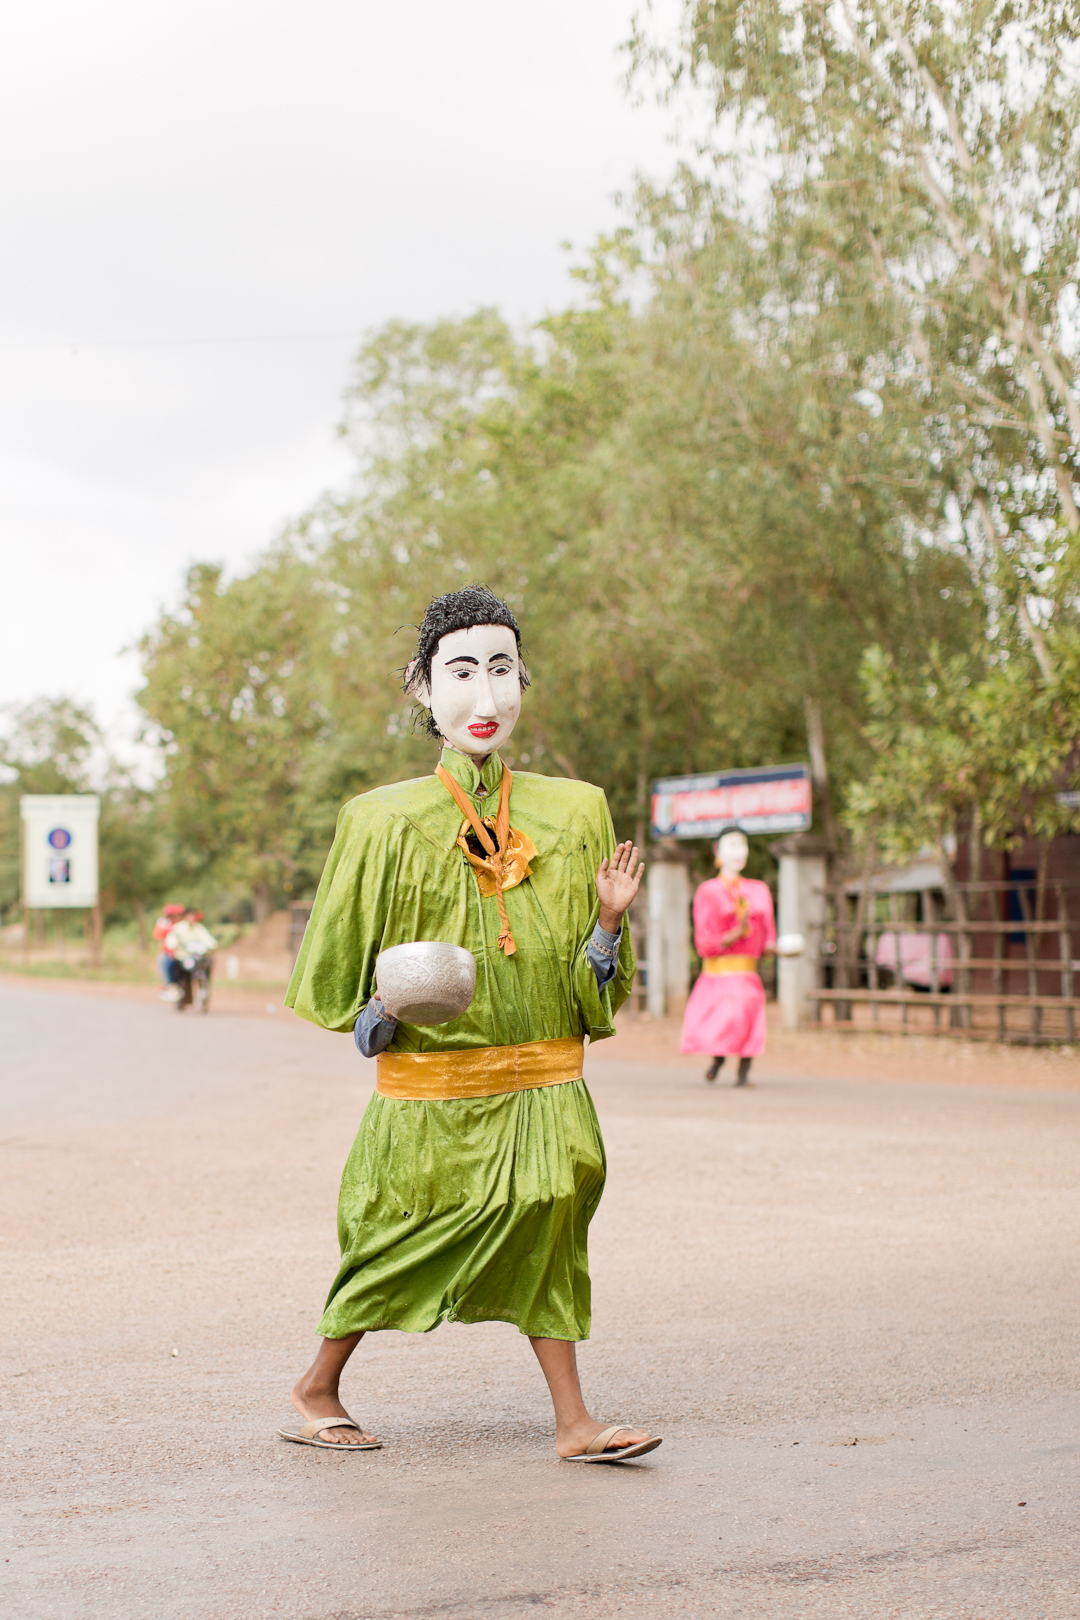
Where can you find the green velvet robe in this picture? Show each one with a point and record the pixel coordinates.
(472, 1210)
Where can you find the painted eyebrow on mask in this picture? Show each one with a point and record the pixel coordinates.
(466, 658)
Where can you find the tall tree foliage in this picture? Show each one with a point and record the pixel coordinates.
(908, 175)
(923, 165)
(643, 498)
(235, 683)
(646, 489)
(990, 754)
(822, 400)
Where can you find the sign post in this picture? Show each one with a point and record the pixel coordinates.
(767, 799)
(60, 850)
(59, 854)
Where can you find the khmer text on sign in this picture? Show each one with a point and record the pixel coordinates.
(767, 799)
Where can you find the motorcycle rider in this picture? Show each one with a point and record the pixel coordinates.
(170, 916)
(188, 937)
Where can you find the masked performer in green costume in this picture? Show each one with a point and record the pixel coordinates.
(479, 1162)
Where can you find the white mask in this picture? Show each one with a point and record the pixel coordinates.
(732, 851)
(475, 691)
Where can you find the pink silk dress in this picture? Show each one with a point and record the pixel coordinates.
(725, 1015)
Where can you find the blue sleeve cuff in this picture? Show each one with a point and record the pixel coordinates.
(374, 1029)
(602, 952)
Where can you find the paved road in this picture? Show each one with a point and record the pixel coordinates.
(850, 1306)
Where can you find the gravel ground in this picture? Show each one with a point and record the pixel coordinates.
(848, 1302)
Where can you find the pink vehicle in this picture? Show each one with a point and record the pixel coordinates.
(909, 957)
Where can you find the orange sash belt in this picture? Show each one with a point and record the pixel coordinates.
(486, 1071)
(730, 964)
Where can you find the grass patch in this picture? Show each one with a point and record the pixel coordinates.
(132, 973)
(108, 973)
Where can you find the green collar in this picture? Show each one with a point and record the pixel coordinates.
(461, 768)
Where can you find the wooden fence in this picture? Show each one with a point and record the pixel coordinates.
(1010, 961)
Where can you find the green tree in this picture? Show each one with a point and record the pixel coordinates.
(684, 507)
(651, 491)
(920, 192)
(988, 751)
(136, 865)
(235, 687)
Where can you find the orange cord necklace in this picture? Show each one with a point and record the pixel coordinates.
(506, 861)
(741, 904)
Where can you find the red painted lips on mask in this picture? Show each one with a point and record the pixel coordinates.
(487, 728)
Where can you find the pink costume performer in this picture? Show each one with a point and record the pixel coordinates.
(725, 1015)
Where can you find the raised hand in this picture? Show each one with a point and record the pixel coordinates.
(618, 878)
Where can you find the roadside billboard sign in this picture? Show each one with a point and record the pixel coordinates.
(767, 799)
(60, 849)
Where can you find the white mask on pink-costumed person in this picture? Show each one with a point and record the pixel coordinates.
(475, 690)
(732, 852)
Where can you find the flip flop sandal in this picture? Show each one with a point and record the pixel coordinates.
(309, 1435)
(594, 1452)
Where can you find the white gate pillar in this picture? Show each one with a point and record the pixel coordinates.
(803, 861)
(668, 937)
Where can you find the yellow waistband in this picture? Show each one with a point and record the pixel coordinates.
(485, 1071)
(730, 964)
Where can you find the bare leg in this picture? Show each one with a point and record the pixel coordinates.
(744, 1071)
(714, 1068)
(316, 1393)
(574, 1428)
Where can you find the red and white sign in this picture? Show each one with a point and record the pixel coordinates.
(769, 799)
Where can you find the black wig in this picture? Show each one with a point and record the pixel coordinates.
(457, 610)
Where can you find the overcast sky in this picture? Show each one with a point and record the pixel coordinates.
(204, 206)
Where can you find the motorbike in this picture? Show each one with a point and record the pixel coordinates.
(191, 973)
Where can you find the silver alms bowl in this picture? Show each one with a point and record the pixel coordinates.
(427, 982)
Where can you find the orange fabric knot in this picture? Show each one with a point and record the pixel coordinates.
(741, 904)
(505, 862)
